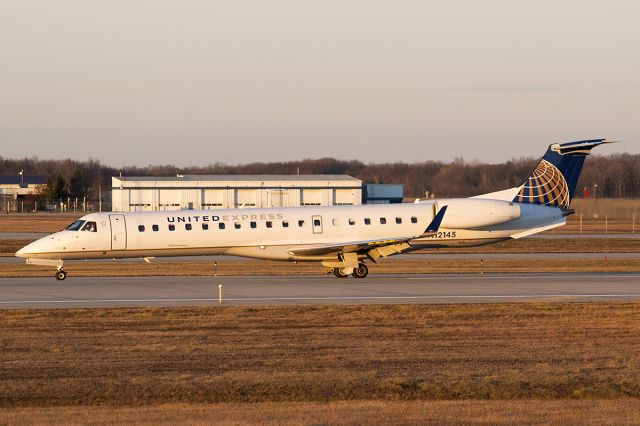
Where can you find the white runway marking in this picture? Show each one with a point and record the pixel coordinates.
(275, 299)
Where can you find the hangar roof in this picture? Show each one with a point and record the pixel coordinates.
(17, 180)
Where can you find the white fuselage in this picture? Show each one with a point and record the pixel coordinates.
(276, 233)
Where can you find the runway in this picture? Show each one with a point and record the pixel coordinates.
(306, 290)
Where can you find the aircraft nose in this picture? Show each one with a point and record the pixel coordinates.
(30, 249)
(25, 251)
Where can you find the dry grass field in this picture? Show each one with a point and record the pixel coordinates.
(614, 208)
(517, 412)
(36, 222)
(445, 364)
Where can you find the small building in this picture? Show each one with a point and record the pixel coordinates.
(233, 191)
(18, 192)
(378, 193)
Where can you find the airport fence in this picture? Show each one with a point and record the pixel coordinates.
(61, 205)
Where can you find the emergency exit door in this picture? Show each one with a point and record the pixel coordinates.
(118, 232)
(316, 221)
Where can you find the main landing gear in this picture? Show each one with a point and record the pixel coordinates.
(339, 274)
(360, 272)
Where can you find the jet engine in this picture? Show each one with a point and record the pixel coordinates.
(477, 213)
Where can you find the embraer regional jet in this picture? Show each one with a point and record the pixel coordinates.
(342, 238)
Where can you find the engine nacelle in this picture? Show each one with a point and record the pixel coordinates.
(477, 213)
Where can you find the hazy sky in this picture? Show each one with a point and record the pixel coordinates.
(196, 82)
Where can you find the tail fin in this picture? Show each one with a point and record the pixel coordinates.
(554, 180)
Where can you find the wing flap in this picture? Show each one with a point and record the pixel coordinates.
(346, 247)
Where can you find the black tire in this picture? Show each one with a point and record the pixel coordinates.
(338, 273)
(61, 275)
(361, 271)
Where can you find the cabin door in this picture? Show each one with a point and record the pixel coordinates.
(118, 232)
(316, 221)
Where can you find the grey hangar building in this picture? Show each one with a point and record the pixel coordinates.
(196, 192)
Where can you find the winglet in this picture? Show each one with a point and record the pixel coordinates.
(435, 223)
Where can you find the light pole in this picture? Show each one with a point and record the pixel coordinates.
(22, 176)
(595, 191)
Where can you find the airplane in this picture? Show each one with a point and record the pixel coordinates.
(341, 238)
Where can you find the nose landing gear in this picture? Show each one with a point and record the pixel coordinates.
(59, 264)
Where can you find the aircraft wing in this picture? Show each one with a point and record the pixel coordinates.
(393, 245)
(344, 247)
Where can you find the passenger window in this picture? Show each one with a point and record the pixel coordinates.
(301, 223)
(155, 228)
(205, 226)
(367, 221)
(172, 227)
(414, 219)
(253, 225)
(187, 226)
(237, 225)
(269, 224)
(383, 220)
(398, 220)
(141, 228)
(285, 223)
(75, 226)
(352, 221)
(90, 227)
(221, 225)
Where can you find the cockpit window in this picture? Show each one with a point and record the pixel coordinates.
(75, 225)
(90, 227)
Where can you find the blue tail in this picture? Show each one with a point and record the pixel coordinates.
(554, 180)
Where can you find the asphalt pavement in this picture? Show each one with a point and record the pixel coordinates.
(316, 289)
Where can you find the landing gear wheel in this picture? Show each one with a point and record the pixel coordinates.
(338, 273)
(361, 271)
(61, 275)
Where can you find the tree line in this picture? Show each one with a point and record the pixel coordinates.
(616, 175)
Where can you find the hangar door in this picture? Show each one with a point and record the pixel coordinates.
(118, 232)
(312, 197)
(278, 198)
(245, 197)
(344, 197)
